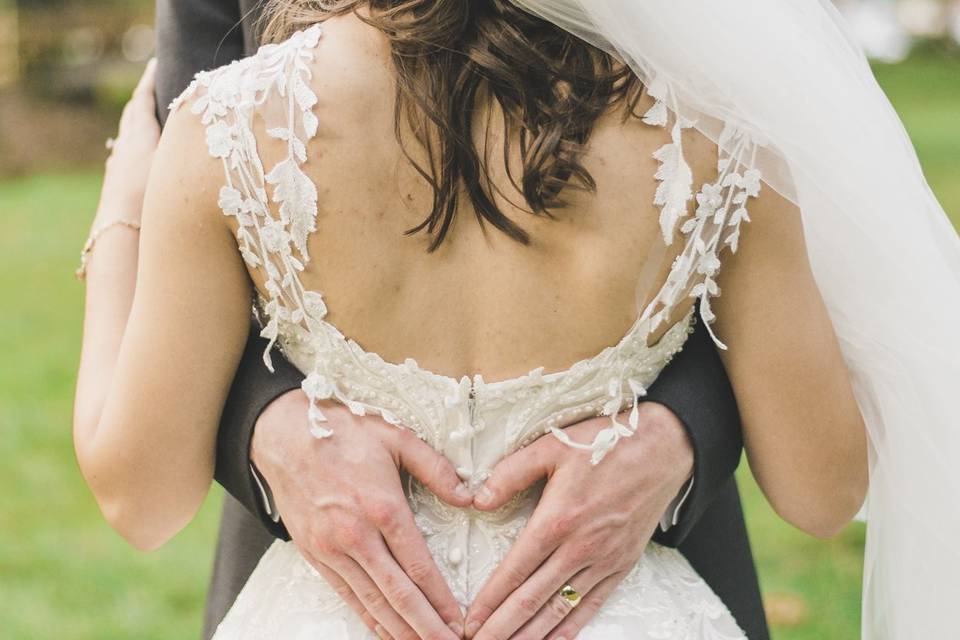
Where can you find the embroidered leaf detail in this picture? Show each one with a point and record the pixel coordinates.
(310, 124)
(297, 196)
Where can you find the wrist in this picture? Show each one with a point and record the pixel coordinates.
(275, 427)
(282, 428)
(111, 252)
(662, 430)
(121, 197)
(130, 217)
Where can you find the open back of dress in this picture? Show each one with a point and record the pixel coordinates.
(472, 422)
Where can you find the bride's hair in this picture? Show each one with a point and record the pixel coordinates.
(551, 86)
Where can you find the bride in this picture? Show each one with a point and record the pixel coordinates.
(400, 179)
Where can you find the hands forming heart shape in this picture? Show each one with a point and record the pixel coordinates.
(352, 522)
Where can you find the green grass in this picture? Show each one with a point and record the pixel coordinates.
(64, 574)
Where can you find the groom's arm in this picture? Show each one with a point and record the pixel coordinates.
(254, 389)
(695, 387)
(193, 35)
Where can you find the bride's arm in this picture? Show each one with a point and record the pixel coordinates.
(803, 432)
(164, 327)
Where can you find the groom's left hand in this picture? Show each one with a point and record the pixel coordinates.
(589, 529)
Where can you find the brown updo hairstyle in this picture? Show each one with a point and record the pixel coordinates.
(551, 87)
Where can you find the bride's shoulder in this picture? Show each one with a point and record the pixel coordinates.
(344, 64)
(352, 70)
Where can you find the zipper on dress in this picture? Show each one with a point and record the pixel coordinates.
(472, 412)
(471, 402)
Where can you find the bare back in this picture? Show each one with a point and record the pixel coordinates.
(482, 302)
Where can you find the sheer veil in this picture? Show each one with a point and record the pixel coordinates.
(886, 259)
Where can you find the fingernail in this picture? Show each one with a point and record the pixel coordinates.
(484, 495)
(472, 628)
(463, 492)
(457, 629)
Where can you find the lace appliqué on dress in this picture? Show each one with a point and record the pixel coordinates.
(720, 210)
(721, 207)
(227, 99)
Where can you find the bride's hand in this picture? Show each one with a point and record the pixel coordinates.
(589, 529)
(343, 504)
(131, 155)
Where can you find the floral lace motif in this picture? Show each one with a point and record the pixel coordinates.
(472, 422)
(276, 246)
(721, 208)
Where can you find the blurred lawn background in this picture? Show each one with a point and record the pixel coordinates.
(65, 575)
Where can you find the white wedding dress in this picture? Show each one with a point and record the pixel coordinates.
(472, 422)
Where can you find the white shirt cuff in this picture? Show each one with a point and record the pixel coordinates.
(672, 515)
(265, 495)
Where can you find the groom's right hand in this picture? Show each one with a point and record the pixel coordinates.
(342, 502)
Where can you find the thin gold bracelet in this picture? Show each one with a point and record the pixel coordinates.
(81, 271)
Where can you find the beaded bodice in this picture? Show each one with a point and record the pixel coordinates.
(475, 424)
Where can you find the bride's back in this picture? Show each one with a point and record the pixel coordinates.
(482, 301)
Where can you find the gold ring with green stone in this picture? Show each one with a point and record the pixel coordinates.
(570, 595)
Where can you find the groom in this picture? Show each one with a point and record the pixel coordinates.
(708, 527)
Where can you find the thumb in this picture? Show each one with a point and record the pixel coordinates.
(148, 82)
(431, 468)
(516, 472)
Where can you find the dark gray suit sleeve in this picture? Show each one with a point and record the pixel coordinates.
(696, 388)
(254, 387)
(193, 35)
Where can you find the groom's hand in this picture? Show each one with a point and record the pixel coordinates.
(589, 529)
(343, 504)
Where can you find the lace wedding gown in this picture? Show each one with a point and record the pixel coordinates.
(472, 422)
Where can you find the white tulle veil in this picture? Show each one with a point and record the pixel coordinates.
(886, 259)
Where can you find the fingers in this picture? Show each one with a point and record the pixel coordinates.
(139, 129)
(148, 82)
(347, 595)
(432, 469)
(557, 607)
(516, 472)
(402, 594)
(528, 601)
(390, 622)
(577, 619)
(410, 550)
(524, 557)
(143, 102)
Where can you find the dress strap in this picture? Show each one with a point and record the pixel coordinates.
(714, 226)
(273, 84)
(721, 207)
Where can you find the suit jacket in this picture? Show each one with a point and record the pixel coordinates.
(193, 35)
